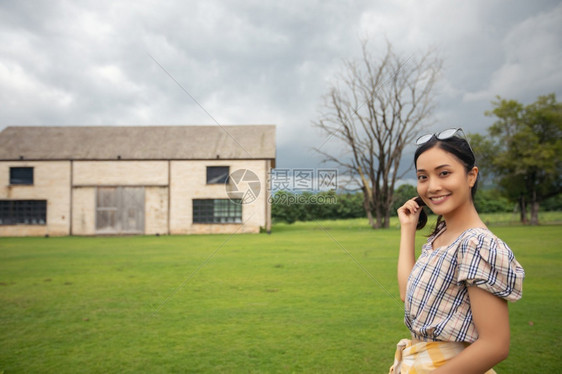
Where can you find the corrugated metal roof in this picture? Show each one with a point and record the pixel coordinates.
(137, 142)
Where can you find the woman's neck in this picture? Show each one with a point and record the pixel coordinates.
(462, 219)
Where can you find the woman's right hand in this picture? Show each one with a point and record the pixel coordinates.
(409, 213)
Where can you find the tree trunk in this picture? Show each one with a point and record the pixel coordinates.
(377, 221)
(387, 219)
(523, 210)
(534, 210)
(379, 215)
(371, 221)
(367, 208)
(535, 213)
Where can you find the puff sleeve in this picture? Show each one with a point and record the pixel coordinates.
(487, 262)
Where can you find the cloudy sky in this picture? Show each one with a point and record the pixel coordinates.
(260, 61)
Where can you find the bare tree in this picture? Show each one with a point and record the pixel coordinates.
(376, 108)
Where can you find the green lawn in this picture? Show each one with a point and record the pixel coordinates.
(311, 297)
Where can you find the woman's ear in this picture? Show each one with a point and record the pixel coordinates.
(472, 176)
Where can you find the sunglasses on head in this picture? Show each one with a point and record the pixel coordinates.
(442, 135)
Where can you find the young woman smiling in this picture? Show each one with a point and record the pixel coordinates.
(455, 293)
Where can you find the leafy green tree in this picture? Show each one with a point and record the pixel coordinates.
(282, 209)
(527, 151)
(401, 195)
(492, 201)
(552, 203)
(484, 150)
(289, 207)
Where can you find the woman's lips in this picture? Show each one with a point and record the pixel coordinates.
(436, 200)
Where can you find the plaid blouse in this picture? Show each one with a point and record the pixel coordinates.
(437, 307)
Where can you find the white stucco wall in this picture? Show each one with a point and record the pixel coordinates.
(168, 209)
(189, 181)
(84, 211)
(51, 182)
(122, 173)
(156, 210)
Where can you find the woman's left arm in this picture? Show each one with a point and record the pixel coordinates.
(491, 317)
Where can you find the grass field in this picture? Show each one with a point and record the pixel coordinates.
(316, 297)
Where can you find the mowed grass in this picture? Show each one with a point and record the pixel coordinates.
(316, 297)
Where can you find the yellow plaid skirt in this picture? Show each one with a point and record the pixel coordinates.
(424, 357)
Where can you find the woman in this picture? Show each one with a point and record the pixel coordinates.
(455, 293)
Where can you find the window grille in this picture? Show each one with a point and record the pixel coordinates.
(217, 211)
(23, 212)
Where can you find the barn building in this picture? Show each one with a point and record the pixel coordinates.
(151, 180)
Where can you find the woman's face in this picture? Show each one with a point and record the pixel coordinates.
(443, 183)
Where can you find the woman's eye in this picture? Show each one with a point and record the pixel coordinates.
(444, 173)
(421, 177)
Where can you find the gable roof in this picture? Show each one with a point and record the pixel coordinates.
(138, 142)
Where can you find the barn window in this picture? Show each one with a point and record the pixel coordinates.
(217, 174)
(217, 211)
(19, 175)
(23, 212)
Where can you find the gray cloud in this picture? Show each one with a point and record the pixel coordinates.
(88, 63)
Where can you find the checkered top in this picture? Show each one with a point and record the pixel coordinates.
(437, 307)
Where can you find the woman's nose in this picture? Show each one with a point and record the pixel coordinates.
(434, 185)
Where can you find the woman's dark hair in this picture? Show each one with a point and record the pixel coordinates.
(458, 147)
